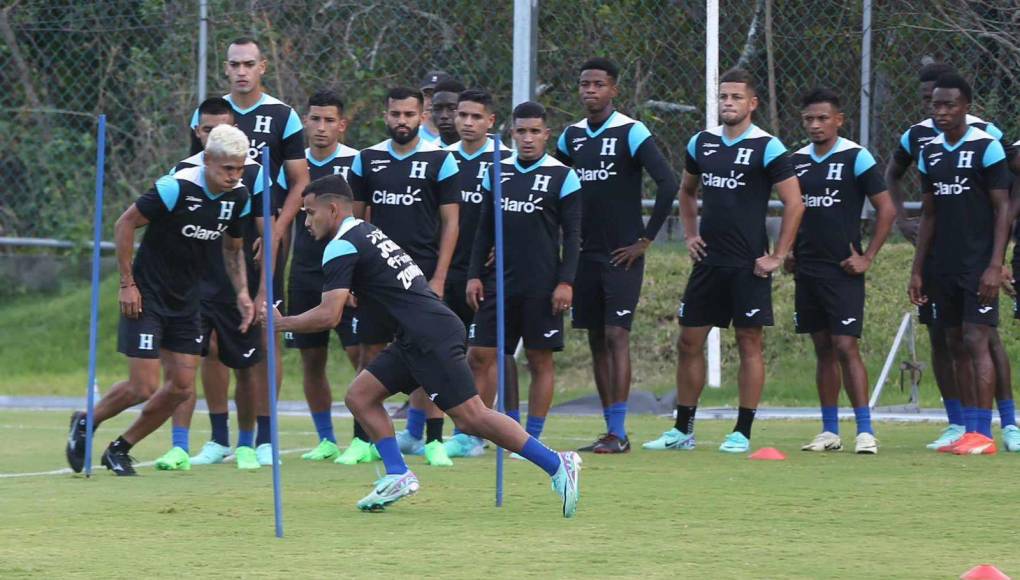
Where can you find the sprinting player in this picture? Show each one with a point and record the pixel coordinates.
(428, 131)
(474, 119)
(160, 326)
(737, 165)
(609, 150)
(411, 187)
(542, 245)
(428, 351)
(965, 214)
(325, 126)
(224, 347)
(271, 123)
(444, 110)
(836, 175)
(904, 157)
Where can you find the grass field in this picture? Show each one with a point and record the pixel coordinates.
(906, 513)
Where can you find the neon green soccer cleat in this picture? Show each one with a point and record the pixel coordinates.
(174, 460)
(435, 454)
(358, 451)
(246, 458)
(388, 490)
(324, 451)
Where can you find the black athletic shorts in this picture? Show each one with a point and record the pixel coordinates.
(834, 304)
(717, 295)
(606, 295)
(455, 296)
(300, 301)
(526, 317)
(440, 368)
(144, 336)
(236, 350)
(929, 288)
(956, 301)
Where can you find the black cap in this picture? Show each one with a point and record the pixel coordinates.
(432, 78)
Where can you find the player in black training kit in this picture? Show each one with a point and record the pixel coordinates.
(541, 244)
(966, 215)
(411, 188)
(444, 110)
(904, 157)
(160, 326)
(737, 165)
(609, 150)
(836, 175)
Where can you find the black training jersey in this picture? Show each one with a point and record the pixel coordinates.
(184, 221)
(920, 134)
(405, 193)
(736, 183)
(362, 259)
(538, 201)
(960, 177)
(470, 173)
(274, 124)
(834, 187)
(306, 261)
(608, 160)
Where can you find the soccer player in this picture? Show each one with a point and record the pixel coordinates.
(965, 214)
(444, 111)
(737, 165)
(428, 131)
(609, 150)
(160, 327)
(905, 156)
(428, 351)
(542, 244)
(325, 126)
(836, 175)
(224, 347)
(268, 122)
(411, 187)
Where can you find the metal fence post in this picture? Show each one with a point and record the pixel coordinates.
(525, 50)
(203, 47)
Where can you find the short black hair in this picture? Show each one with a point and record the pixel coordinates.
(529, 110)
(480, 96)
(326, 98)
(603, 64)
(215, 106)
(242, 40)
(952, 80)
(739, 75)
(931, 72)
(330, 185)
(401, 93)
(448, 86)
(821, 95)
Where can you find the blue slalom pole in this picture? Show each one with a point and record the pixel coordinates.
(497, 200)
(97, 235)
(267, 261)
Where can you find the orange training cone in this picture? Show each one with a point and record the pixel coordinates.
(768, 454)
(984, 572)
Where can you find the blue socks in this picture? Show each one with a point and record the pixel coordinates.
(179, 436)
(534, 426)
(968, 419)
(324, 426)
(605, 415)
(954, 411)
(415, 422)
(390, 453)
(830, 419)
(246, 439)
(514, 414)
(538, 454)
(863, 416)
(983, 421)
(1007, 413)
(220, 428)
(264, 433)
(617, 419)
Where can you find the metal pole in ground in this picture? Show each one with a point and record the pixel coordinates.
(267, 264)
(97, 237)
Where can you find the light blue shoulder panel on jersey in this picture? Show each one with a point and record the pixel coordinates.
(356, 165)
(637, 135)
(994, 153)
(246, 211)
(561, 143)
(905, 141)
(774, 149)
(570, 184)
(169, 189)
(994, 131)
(281, 179)
(293, 124)
(449, 168)
(336, 248)
(864, 162)
(692, 145)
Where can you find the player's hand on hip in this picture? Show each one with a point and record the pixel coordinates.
(696, 248)
(130, 301)
(856, 264)
(562, 298)
(438, 286)
(475, 293)
(767, 264)
(991, 280)
(247, 309)
(915, 291)
(790, 264)
(627, 255)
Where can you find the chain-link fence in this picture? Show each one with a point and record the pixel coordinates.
(63, 62)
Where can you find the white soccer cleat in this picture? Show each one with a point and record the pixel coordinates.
(866, 444)
(824, 441)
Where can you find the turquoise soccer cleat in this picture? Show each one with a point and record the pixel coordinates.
(672, 439)
(735, 443)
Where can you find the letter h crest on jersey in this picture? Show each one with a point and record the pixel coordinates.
(418, 169)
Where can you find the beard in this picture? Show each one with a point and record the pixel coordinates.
(402, 139)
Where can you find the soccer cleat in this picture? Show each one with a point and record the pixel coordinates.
(672, 439)
(324, 451)
(211, 453)
(591, 446)
(264, 453)
(1011, 438)
(824, 441)
(567, 482)
(389, 489)
(866, 444)
(612, 444)
(975, 444)
(119, 462)
(359, 451)
(464, 445)
(174, 460)
(951, 434)
(435, 454)
(75, 449)
(735, 443)
(409, 445)
(246, 458)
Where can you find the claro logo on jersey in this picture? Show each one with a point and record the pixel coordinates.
(732, 181)
(828, 199)
(958, 187)
(530, 205)
(383, 197)
(604, 172)
(200, 233)
(475, 196)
